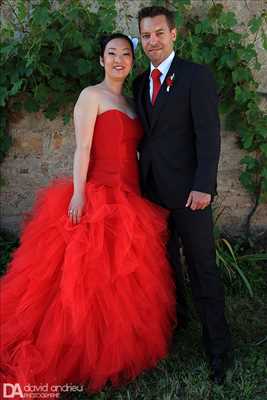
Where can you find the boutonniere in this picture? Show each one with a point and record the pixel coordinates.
(169, 81)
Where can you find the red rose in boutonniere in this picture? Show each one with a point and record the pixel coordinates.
(169, 81)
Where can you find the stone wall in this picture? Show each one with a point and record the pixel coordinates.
(43, 149)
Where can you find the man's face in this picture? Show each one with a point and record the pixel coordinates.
(157, 38)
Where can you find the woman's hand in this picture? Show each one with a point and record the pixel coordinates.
(76, 207)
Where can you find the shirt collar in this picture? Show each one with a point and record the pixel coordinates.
(165, 65)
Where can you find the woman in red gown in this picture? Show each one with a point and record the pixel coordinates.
(89, 296)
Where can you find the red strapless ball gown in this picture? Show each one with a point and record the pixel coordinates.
(92, 302)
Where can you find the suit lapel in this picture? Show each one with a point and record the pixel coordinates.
(163, 95)
(144, 87)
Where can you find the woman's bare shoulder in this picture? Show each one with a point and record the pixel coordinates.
(90, 91)
(89, 95)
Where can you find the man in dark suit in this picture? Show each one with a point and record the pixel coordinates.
(178, 106)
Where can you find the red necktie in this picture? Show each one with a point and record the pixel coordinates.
(155, 75)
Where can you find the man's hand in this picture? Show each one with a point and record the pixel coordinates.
(198, 200)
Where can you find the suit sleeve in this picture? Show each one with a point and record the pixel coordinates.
(206, 123)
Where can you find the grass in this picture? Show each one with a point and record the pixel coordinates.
(184, 374)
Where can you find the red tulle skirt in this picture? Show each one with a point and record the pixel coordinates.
(89, 303)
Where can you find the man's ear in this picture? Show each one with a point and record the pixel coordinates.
(101, 61)
(174, 34)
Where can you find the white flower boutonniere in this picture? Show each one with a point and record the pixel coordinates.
(169, 81)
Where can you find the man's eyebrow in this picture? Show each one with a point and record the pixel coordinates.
(157, 30)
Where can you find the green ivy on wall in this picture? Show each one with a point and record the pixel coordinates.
(49, 52)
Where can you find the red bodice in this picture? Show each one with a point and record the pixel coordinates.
(113, 158)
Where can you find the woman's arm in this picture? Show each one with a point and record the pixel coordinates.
(85, 113)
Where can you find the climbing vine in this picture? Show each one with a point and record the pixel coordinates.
(49, 52)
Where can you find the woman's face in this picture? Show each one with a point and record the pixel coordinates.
(118, 59)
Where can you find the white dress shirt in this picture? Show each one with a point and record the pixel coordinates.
(164, 68)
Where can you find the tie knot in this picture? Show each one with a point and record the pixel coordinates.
(155, 74)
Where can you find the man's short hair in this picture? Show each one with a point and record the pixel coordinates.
(154, 11)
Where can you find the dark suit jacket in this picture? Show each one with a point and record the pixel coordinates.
(181, 142)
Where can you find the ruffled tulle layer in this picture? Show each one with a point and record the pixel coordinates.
(87, 303)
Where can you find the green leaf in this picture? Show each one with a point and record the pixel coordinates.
(250, 163)
(41, 93)
(44, 69)
(3, 96)
(264, 39)
(21, 10)
(263, 148)
(28, 72)
(225, 107)
(40, 16)
(66, 118)
(16, 87)
(241, 74)
(52, 111)
(208, 55)
(247, 140)
(221, 41)
(52, 36)
(31, 105)
(178, 19)
(203, 27)
(76, 38)
(215, 11)
(7, 50)
(182, 3)
(227, 19)
(87, 46)
(6, 142)
(57, 83)
(198, 28)
(262, 131)
(228, 59)
(84, 66)
(264, 172)
(242, 95)
(246, 180)
(255, 24)
(247, 54)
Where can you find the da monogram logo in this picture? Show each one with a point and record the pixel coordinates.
(11, 390)
(16, 391)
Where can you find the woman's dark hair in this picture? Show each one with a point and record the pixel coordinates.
(154, 11)
(105, 39)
